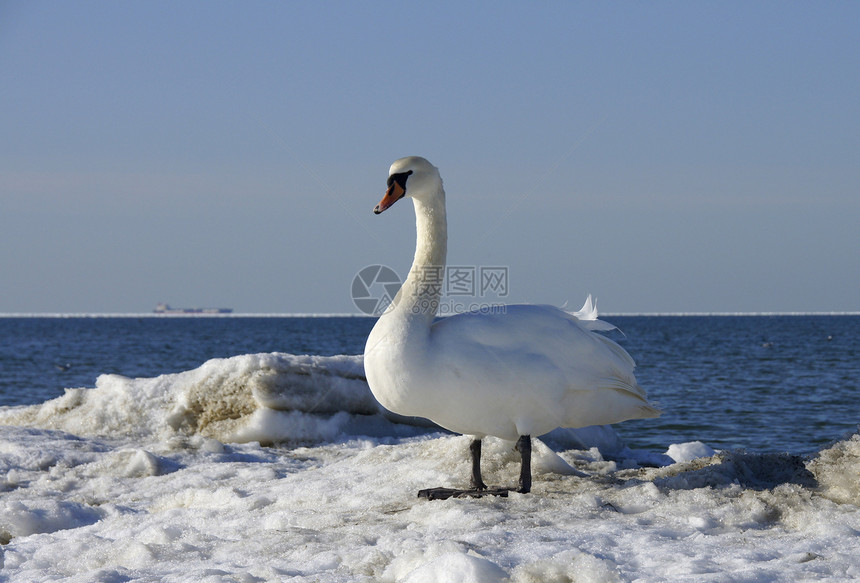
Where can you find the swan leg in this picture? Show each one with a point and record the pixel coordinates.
(478, 489)
(524, 446)
(475, 449)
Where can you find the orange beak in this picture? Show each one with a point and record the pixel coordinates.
(394, 193)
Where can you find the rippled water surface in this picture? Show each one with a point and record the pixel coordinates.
(764, 383)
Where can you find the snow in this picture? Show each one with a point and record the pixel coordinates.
(685, 452)
(166, 479)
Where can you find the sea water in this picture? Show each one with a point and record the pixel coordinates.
(250, 449)
(762, 383)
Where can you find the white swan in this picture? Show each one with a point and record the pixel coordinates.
(518, 371)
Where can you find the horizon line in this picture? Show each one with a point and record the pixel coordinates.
(362, 315)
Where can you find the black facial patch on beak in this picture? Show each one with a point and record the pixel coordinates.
(400, 179)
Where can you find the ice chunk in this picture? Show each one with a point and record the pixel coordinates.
(686, 452)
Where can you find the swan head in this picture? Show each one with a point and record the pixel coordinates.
(424, 181)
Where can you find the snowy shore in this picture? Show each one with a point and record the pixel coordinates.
(165, 479)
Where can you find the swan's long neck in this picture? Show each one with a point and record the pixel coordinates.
(421, 293)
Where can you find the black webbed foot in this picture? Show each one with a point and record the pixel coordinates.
(445, 493)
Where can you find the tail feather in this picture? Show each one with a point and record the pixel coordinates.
(620, 377)
(617, 351)
(624, 386)
(644, 409)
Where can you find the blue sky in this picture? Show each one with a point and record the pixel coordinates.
(666, 157)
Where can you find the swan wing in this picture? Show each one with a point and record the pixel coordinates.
(536, 366)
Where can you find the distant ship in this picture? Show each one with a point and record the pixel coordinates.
(166, 309)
